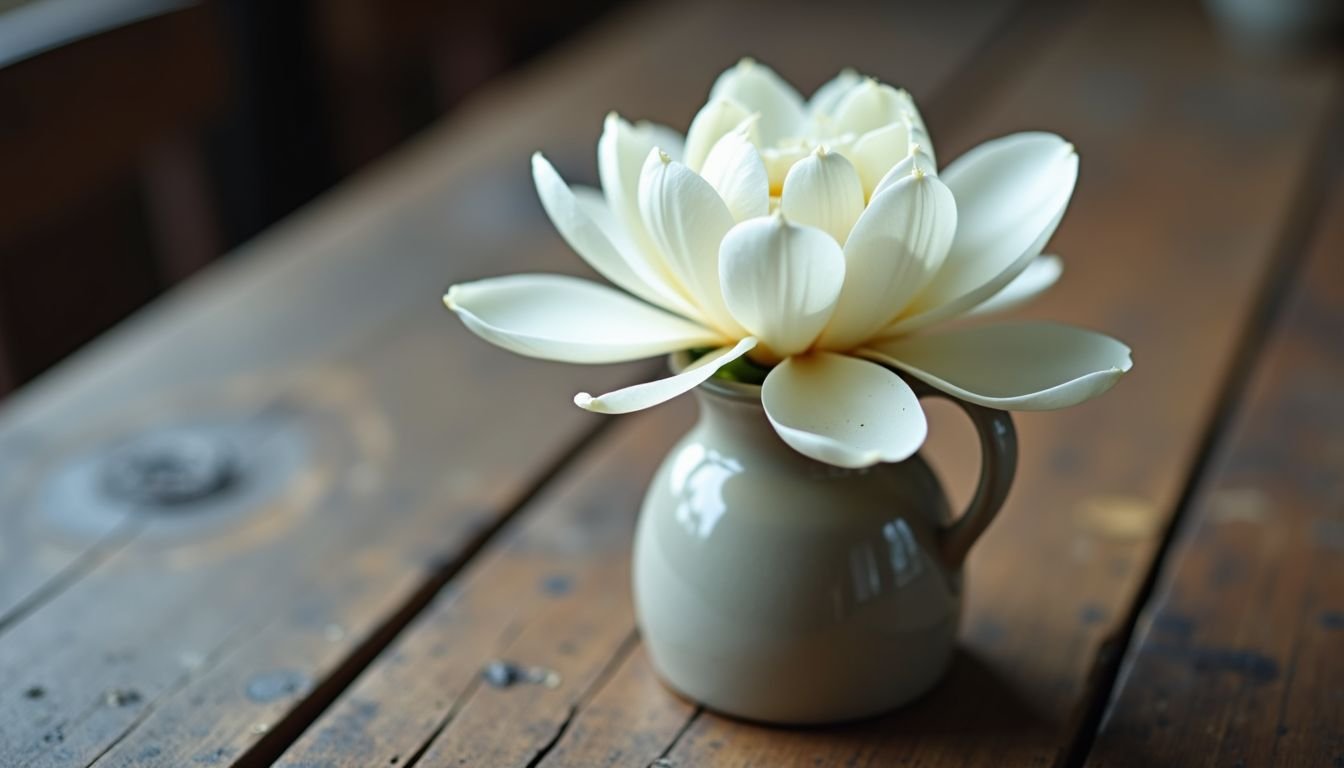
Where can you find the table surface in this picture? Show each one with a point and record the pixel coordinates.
(408, 504)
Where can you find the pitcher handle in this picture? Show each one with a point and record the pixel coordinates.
(998, 463)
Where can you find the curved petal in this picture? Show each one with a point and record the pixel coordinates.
(556, 317)
(875, 153)
(620, 159)
(1024, 366)
(649, 394)
(1034, 280)
(895, 248)
(869, 106)
(573, 217)
(826, 98)
(842, 410)
(686, 219)
(716, 118)
(735, 170)
(781, 280)
(757, 87)
(916, 159)
(1011, 194)
(823, 190)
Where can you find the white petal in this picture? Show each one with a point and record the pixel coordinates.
(620, 159)
(649, 394)
(713, 120)
(826, 98)
(1011, 194)
(757, 87)
(686, 219)
(823, 190)
(896, 247)
(1034, 280)
(875, 153)
(555, 317)
(1023, 366)
(915, 160)
(781, 281)
(842, 410)
(573, 218)
(735, 169)
(869, 106)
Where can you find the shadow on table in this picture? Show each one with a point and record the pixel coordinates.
(974, 704)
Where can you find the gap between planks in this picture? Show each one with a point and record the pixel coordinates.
(283, 733)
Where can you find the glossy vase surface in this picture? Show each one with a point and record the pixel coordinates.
(776, 588)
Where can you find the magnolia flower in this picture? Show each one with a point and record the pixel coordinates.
(819, 240)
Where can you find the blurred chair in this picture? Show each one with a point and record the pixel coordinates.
(103, 106)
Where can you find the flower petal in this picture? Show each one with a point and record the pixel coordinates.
(715, 119)
(826, 98)
(1011, 194)
(735, 169)
(842, 410)
(869, 106)
(556, 317)
(823, 190)
(895, 249)
(620, 159)
(686, 219)
(1034, 280)
(572, 217)
(916, 159)
(649, 394)
(781, 280)
(757, 87)
(876, 152)
(1022, 366)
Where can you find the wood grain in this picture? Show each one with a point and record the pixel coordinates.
(141, 638)
(1240, 655)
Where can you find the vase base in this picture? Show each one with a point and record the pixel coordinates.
(798, 700)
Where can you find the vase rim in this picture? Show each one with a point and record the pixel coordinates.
(732, 390)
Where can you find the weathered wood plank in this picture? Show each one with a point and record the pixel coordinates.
(551, 592)
(167, 644)
(1240, 655)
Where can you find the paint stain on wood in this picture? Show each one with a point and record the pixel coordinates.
(1252, 665)
(505, 674)
(1240, 505)
(276, 685)
(1332, 620)
(557, 585)
(1120, 517)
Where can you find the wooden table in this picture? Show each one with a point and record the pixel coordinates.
(408, 504)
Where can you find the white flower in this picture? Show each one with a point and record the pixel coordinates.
(816, 238)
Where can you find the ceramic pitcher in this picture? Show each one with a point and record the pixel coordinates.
(772, 587)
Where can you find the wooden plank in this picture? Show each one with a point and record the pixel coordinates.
(328, 329)
(1240, 655)
(1058, 574)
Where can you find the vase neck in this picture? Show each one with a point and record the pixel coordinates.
(736, 423)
